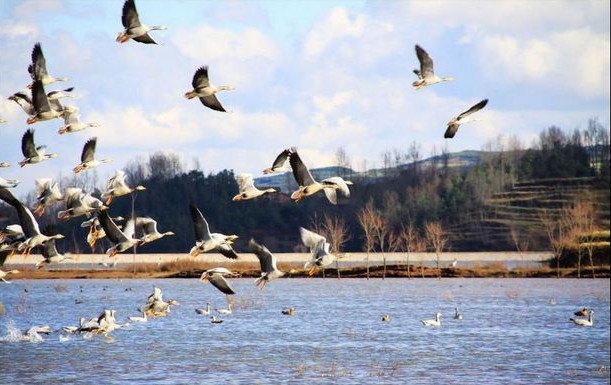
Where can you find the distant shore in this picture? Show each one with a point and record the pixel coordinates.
(349, 265)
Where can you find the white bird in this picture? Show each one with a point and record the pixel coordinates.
(28, 223)
(269, 270)
(216, 320)
(5, 274)
(216, 277)
(426, 74)
(149, 230)
(79, 203)
(205, 91)
(584, 322)
(95, 229)
(134, 29)
(144, 318)
(8, 183)
(226, 311)
(386, 317)
(319, 250)
(205, 311)
(246, 185)
(289, 311)
(44, 109)
(47, 194)
(33, 154)
(122, 240)
(38, 68)
(279, 163)
(457, 314)
(433, 322)
(206, 241)
(88, 160)
(464, 117)
(73, 122)
(25, 102)
(454, 263)
(117, 186)
(51, 255)
(5, 164)
(309, 186)
(33, 334)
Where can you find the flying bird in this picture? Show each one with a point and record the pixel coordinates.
(33, 154)
(73, 122)
(309, 186)
(117, 186)
(79, 203)
(246, 184)
(205, 91)
(51, 255)
(8, 183)
(47, 194)
(463, 118)
(319, 250)
(44, 109)
(87, 157)
(426, 74)
(149, 230)
(38, 68)
(269, 270)
(206, 241)
(134, 29)
(279, 162)
(122, 239)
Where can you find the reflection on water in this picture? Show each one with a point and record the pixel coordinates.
(513, 331)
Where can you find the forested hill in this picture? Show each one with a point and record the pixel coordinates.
(484, 201)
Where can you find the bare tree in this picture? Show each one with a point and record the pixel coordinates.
(380, 232)
(555, 226)
(520, 242)
(366, 218)
(437, 240)
(582, 226)
(337, 231)
(409, 238)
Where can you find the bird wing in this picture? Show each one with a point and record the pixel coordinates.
(311, 239)
(426, 63)
(110, 228)
(28, 148)
(49, 250)
(245, 182)
(266, 259)
(300, 171)
(280, 160)
(226, 250)
(40, 101)
(149, 225)
(200, 78)
(202, 230)
(88, 150)
(26, 218)
(38, 68)
(336, 182)
(146, 39)
(43, 185)
(129, 17)
(212, 102)
(221, 283)
(473, 109)
(451, 130)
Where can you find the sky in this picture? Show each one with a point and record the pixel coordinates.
(318, 75)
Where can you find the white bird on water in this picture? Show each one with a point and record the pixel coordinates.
(433, 322)
(584, 322)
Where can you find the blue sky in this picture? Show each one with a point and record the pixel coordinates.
(318, 75)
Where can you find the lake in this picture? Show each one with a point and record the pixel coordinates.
(513, 331)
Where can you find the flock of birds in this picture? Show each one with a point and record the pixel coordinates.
(126, 234)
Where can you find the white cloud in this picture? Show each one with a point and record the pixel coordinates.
(337, 25)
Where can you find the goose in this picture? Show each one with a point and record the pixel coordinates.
(58, 94)
(5, 274)
(38, 68)
(95, 229)
(433, 322)
(464, 117)
(8, 183)
(149, 228)
(31, 153)
(134, 29)
(206, 241)
(33, 334)
(386, 317)
(25, 102)
(44, 109)
(205, 311)
(454, 263)
(47, 194)
(309, 186)
(426, 74)
(5, 164)
(157, 295)
(267, 260)
(582, 313)
(11, 233)
(246, 184)
(205, 91)
(216, 277)
(79, 203)
(279, 163)
(87, 157)
(143, 318)
(584, 322)
(72, 121)
(289, 311)
(457, 314)
(28, 223)
(319, 249)
(51, 255)
(226, 311)
(117, 186)
(159, 308)
(121, 239)
(215, 320)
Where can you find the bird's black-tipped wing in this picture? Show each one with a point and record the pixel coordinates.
(29, 225)
(28, 148)
(264, 255)
(38, 68)
(129, 16)
(280, 160)
(426, 63)
(200, 78)
(110, 228)
(202, 230)
(300, 171)
(221, 283)
(212, 102)
(451, 130)
(227, 251)
(40, 101)
(146, 39)
(89, 150)
(474, 108)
